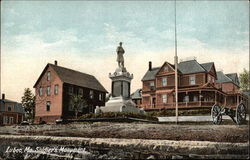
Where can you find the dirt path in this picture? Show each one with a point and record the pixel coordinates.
(221, 133)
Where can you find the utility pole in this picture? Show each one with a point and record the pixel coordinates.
(176, 69)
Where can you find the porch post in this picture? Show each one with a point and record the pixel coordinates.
(200, 97)
(215, 97)
(151, 102)
(188, 98)
(237, 99)
(225, 100)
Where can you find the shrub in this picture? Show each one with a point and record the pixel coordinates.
(118, 115)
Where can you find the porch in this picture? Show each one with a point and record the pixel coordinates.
(191, 99)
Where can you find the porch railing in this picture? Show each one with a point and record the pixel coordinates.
(180, 105)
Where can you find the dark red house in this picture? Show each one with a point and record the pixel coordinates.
(57, 84)
(197, 87)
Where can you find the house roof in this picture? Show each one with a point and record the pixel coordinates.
(222, 78)
(207, 66)
(184, 67)
(150, 74)
(136, 94)
(17, 106)
(75, 78)
(234, 78)
(191, 66)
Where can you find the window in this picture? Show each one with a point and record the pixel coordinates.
(80, 91)
(9, 108)
(71, 90)
(166, 68)
(195, 98)
(192, 80)
(48, 90)
(209, 79)
(49, 76)
(152, 85)
(11, 120)
(5, 120)
(164, 82)
(186, 98)
(164, 98)
(40, 91)
(91, 94)
(56, 89)
(48, 106)
(100, 97)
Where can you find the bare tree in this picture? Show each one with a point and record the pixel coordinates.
(77, 102)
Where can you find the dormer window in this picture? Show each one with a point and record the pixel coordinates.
(48, 76)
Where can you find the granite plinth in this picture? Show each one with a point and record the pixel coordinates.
(119, 104)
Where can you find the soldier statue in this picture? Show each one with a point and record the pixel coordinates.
(120, 51)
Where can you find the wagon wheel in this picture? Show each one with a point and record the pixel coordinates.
(216, 114)
(240, 114)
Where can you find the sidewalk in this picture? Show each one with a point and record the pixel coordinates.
(191, 118)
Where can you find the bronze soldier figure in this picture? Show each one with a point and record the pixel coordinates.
(120, 51)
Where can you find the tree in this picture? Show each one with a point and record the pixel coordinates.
(77, 102)
(28, 103)
(244, 80)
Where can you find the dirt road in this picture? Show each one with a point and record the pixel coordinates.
(216, 133)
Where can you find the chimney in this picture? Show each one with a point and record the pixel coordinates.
(3, 96)
(149, 65)
(56, 63)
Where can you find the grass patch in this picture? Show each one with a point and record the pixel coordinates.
(119, 115)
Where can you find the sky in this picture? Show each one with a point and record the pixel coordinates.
(84, 35)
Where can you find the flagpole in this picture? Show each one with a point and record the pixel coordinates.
(176, 69)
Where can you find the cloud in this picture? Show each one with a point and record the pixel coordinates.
(25, 55)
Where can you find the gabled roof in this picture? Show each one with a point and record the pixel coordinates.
(222, 78)
(8, 101)
(136, 94)
(74, 77)
(171, 65)
(234, 78)
(191, 66)
(207, 66)
(184, 67)
(150, 74)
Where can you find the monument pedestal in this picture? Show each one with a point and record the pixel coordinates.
(120, 100)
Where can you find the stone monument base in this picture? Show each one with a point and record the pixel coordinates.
(119, 104)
